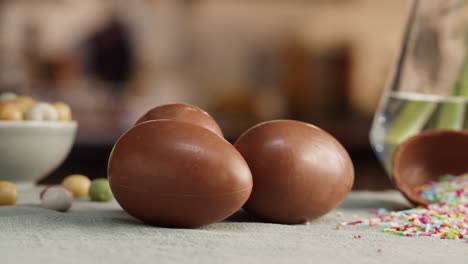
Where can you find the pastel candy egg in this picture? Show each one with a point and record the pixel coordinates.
(42, 112)
(63, 110)
(25, 103)
(10, 111)
(8, 96)
(100, 190)
(56, 198)
(77, 184)
(8, 193)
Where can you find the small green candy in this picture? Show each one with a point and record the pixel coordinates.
(8, 96)
(100, 190)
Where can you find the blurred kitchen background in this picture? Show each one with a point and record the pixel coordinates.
(244, 61)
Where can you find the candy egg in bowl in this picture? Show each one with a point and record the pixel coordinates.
(31, 149)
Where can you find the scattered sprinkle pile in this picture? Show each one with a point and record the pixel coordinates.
(446, 217)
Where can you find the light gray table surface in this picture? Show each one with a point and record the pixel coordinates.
(103, 233)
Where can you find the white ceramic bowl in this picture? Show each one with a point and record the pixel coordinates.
(30, 150)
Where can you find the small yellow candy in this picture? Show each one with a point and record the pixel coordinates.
(63, 110)
(77, 184)
(11, 112)
(8, 193)
(25, 103)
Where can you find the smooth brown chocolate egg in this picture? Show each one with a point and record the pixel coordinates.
(426, 157)
(299, 171)
(171, 173)
(183, 113)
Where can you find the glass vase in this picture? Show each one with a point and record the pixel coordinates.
(428, 88)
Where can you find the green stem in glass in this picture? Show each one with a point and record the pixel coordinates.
(452, 114)
(412, 118)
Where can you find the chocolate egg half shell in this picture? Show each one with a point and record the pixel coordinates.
(299, 171)
(175, 174)
(426, 157)
(183, 113)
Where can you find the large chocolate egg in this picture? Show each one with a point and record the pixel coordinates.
(184, 113)
(299, 171)
(176, 174)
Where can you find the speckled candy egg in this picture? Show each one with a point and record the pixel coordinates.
(8, 96)
(77, 184)
(25, 103)
(100, 191)
(56, 198)
(42, 112)
(9, 111)
(64, 112)
(8, 193)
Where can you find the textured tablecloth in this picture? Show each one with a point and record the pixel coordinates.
(103, 233)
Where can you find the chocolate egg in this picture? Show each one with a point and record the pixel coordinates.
(171, 173)
(299, 171)
(183, 113)
(426, 157)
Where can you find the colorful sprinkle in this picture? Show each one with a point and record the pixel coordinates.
(446, 217)
(357, 236)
